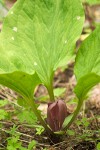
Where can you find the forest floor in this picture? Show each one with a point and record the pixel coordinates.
(84, 134)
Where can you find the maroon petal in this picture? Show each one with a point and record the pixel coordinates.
(56, 114)
(62, 114)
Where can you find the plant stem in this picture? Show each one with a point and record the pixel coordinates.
(51, 93)
(38, 115)
(75, 114)
(49, 87)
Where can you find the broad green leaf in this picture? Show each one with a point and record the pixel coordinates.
(39, 35)
(88, 57)
(85, 84)
(87, 67)
(20, 82)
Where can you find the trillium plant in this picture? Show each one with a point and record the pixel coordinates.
(37, 37)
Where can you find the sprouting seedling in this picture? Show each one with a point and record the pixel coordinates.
(36, 39)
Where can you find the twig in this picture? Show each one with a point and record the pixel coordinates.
(40, 144)
(2, 145)
(6, 123)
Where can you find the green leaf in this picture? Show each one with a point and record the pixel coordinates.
(71, 132)
(28, 116)
(88, 57)
(85, 84)
(85, 122)
(98, 146)
(2, 2)
(32, 145)
(21, 82)
(40, 35)
(72, 101)
(3, 103)
(87, 66)
(3, 114)
(13, 130)
(21, 102)
(39, 130)
(59, 91)
(13, 143)
(67, 120)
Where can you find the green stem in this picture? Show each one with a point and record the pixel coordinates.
(43, 123)
(51, 93)
(75, 114)
(50, 88)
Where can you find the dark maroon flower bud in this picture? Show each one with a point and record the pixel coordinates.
(56, 114)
